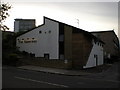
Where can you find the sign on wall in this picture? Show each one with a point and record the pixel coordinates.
(28, 40)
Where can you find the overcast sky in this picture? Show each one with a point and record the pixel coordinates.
(90, 16)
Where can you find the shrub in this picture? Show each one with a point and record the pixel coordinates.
(13, 58)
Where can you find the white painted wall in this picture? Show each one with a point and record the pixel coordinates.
(96, 50)
(46, 42)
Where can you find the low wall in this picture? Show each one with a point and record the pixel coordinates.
(53, 63)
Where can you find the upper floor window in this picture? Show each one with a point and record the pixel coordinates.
(49, 31)
(40, 32)
(61, 38)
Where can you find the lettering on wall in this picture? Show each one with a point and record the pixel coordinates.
(27, 40)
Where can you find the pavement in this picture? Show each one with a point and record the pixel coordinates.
(110, 70)
(55, 70)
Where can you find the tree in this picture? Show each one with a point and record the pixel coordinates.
(4, 8)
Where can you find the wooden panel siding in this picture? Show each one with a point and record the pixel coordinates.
(68, 42)
(81, 47)
(87, 48)
(111, 45)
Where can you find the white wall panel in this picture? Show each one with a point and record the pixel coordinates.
(96, 50)
(46, 42)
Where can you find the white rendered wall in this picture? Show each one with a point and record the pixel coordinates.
(46, 42)
(96, 50)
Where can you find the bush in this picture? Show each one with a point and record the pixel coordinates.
(13, 58)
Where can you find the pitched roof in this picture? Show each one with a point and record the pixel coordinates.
(77, 29)
(112, 31)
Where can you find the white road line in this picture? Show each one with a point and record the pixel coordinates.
(41, 82)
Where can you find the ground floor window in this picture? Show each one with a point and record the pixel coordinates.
(62, 57)
(46, 55)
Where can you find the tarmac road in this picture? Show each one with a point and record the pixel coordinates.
(111, 74)
(18, 78)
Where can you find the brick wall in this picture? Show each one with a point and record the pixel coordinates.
(52, 63)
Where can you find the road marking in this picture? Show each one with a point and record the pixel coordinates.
(41, 82)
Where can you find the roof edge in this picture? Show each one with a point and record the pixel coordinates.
(106, 31)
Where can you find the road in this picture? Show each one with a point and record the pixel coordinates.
(111, 74)
(18, 78)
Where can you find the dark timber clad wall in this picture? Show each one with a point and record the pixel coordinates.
(87, 48)
(68, 42)
(81, 48)
(77, 47)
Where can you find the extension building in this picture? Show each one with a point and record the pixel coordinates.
(23, 24)
(111, 47)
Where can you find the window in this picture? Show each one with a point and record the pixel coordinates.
(33, 38)
(40, 32)
(27, 38)
(61, 38)
(45, 32)
(96, 59)
(94, 55)
(49, 31)
(98, 43)
(46, 56)
(62, 57)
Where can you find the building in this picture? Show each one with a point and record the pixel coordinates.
(111, 47)
(57, 40)
(23, 24)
